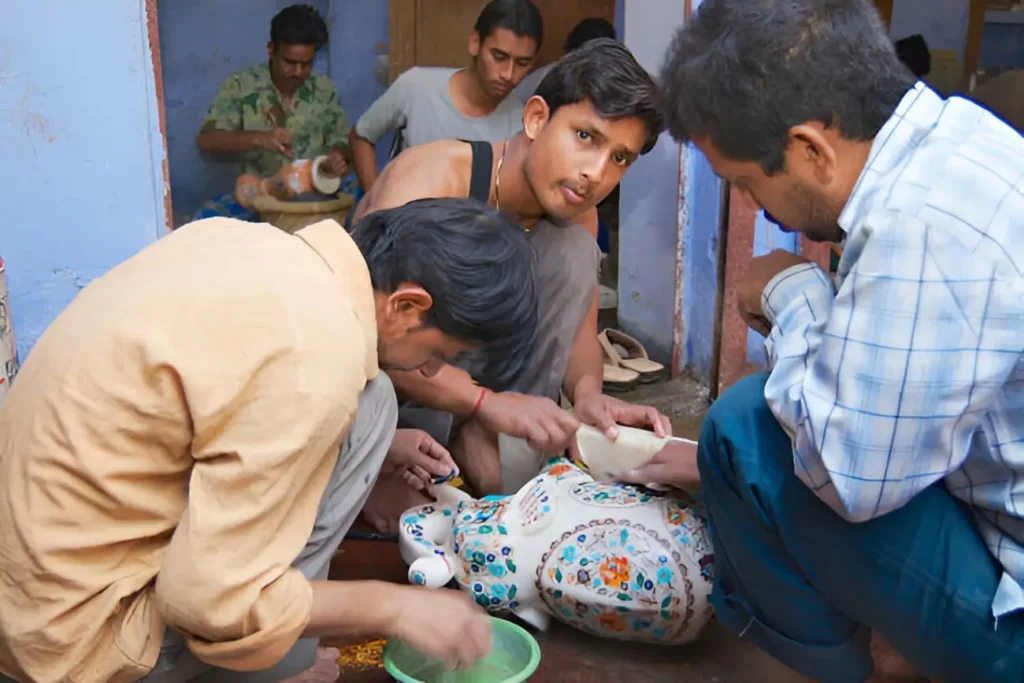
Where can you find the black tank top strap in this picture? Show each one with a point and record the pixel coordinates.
(480, 173)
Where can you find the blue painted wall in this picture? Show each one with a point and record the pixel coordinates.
(767, 237)
(80, 135)
(1002, 45)
(662, 218)
(943, 23)
(700, 261)
(359, 33)
(649, 230)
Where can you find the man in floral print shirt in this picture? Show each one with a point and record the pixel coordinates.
(272, 113)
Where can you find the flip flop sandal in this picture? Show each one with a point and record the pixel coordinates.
(617, 378)
(630, 354)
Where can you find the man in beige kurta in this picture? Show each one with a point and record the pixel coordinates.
(190, 440)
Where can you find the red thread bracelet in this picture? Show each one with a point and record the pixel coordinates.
(479, 401)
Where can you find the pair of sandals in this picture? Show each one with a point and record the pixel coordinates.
(626, 362)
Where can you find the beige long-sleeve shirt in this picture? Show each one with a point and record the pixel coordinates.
(165, 448)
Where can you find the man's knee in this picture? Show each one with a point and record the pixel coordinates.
(734, 419)
(743, 401)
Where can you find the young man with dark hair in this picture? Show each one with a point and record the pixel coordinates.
(870, 483)
(272, 113)
(425, 104)
(191, 439)
(592, 116)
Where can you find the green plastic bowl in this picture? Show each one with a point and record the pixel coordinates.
(514, 656)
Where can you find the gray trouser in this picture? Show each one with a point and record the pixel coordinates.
(354, 474)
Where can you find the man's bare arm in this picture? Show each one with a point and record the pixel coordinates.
(364, 157)
(230, 141)
(451, 390)
(585, 371)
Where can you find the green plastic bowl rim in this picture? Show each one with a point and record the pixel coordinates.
(528, 670)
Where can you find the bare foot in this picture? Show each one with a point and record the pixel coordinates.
(475, 451)
(388, 500)
(325, 670)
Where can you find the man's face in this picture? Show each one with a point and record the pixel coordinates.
(501, 60)
(426, 349)
(576, 157)
(290, 65)
(794, 197)
(403, 343)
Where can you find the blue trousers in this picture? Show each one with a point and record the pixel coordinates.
(807, 587)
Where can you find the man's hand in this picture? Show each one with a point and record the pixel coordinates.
(607, 413)
(675, 465)
(444, 624)
(417, 458)
(748, 293)
(277, 140)
(336, 164)
(544, 425)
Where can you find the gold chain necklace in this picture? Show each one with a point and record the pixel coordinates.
(497, 177)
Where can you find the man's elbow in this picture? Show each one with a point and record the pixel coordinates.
(237, 627)
(355, 140)
(203, 143)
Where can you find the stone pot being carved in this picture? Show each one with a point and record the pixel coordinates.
(610, 559)
(296, 178)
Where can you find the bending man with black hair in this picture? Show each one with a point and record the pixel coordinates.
(190, 440)
(592, 116)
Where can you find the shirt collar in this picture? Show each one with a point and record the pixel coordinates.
(341, 255)
(915, 116)
(266, 80)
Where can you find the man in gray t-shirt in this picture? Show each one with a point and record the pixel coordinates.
(429, 103)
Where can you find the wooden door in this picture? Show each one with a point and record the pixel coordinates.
(885, 9)
(436, 32)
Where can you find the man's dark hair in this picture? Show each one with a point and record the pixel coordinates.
(298, 25)
(475, 263)
(587, 30)
(606, 74)
(521, 17)
(744, 72)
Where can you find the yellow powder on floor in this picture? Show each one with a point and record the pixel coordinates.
(363, 655)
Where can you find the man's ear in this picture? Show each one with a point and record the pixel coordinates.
(474, 44)
(536, 115)
(811, 154)
(409, 299)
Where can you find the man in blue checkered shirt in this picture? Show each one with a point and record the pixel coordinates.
(873, 481)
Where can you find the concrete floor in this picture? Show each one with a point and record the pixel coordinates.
(570, 656)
